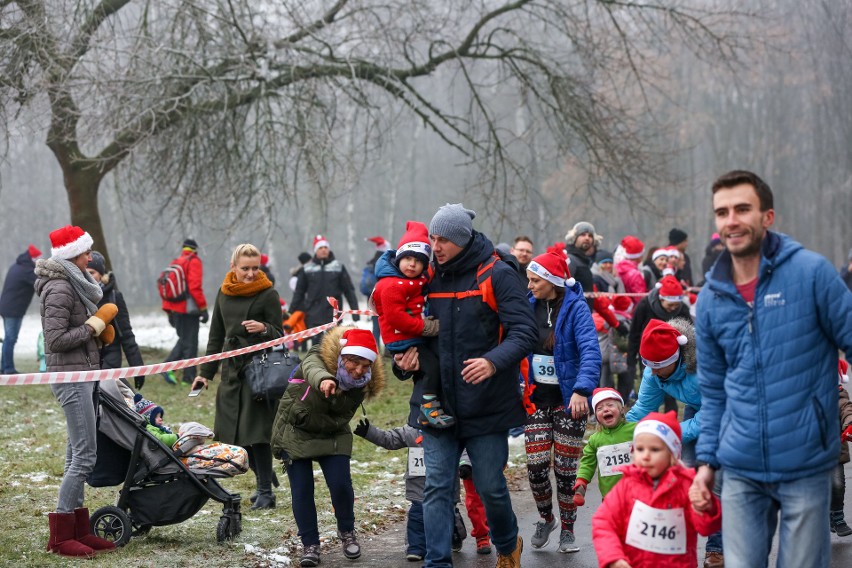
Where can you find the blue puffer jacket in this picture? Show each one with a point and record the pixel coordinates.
(682, 386)
(768, 374)
(577, 353)
(470, 329)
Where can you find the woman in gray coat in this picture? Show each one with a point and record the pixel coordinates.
(73, 329)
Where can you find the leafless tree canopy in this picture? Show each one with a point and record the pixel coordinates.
(227, 105)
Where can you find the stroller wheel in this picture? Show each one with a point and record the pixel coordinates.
(112, 524)
(223, 530)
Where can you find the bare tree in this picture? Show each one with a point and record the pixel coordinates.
(231, 105)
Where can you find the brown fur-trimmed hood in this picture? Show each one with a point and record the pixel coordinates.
(686, 327)
(330, 351)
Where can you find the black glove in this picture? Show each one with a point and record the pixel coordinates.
(139, 382)
(465, 471)
(621, 330)
(204, 317)
(356, 317)
(362, 427)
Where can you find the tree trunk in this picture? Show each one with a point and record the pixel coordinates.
(82, 184)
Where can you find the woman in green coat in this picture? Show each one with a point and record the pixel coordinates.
(312, 424)
(246, 312)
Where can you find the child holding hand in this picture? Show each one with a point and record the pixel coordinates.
(651, 518)
(609, 447)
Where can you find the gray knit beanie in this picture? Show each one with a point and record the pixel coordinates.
(454, 223)
(579, 229)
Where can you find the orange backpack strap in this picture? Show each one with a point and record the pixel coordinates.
(484, 288)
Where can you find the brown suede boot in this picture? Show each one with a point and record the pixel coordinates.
(512, 560)
(84, 534)
(62, 541)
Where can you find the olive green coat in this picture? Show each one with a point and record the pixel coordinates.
(239, 418)
(309, 425)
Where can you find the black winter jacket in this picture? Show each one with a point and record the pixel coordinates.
(124, 337)
(581, 270)
(318, 280)
(18, 287)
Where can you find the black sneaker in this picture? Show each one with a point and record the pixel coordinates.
(310, 555)
(351, 548)
(840, 527)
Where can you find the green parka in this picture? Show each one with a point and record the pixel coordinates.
(309, 425)
(240, 420)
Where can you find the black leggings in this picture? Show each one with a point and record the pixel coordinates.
(838, 487)
(335, 469)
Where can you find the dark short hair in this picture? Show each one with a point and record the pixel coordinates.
(520, 238)
(740, 177)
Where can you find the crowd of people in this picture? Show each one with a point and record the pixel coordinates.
(497, 339)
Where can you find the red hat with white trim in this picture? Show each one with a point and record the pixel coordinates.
(381, 243)
(33, 251)
(843, 371)
(660, 345)
(552, 266)
(605, 393)
(670, 289)
(415, 242)
(69, 242)
(264, 259)
(319, 242)
(359, 342)
(633, 247)
(664, 426)
(660, 252)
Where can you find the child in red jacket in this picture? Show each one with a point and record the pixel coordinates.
(647, 521)
(399, 300)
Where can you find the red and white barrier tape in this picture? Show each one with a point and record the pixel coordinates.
(112, 374)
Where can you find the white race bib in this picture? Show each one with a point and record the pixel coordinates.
(416, 465)
(614, 455)
(544, 369)
(662, 531)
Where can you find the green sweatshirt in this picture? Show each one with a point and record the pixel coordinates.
(605, 437)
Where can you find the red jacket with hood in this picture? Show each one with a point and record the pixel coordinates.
(194, 277)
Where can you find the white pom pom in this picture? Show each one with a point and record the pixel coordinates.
(658, 285)
(343, 341)
(611, 307)
(682, 340)
(570, 282)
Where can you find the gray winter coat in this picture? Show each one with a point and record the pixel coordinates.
(68, 341)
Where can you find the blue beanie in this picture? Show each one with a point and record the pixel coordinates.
(454, 223)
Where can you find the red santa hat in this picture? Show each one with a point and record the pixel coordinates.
(664, 426)
(264, 259)
(552, 266)
(670, 289)
(415, 242)
(633, 247)
(319, 242)
(659, 252)
(660, 345)
(359, 342)
(601, 394)
(381, 243)
(671, 251)
(69, 242)
(34, 252)
(843, 371)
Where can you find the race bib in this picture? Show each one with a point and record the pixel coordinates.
(544, 369)
(662, 531)
(614, 455)
(416, 466)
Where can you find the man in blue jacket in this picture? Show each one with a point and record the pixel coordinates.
(17, 294)
(770, 321)
(480, 350)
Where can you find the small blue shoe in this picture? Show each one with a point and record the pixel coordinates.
(170, 378)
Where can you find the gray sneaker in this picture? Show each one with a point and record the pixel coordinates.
(351, 548)
(542, 533)
(566, 542)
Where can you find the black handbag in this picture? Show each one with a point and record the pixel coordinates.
(268, 373)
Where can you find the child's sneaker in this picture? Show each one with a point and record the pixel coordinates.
(838, 524)
(483, 545)
(169, 377)
(542, 533)
(567, 542)
(432, 415)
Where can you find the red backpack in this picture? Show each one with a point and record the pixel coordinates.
(171, 283)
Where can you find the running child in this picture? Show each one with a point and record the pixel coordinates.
(610, 446)
(647, 519)
(400, 301)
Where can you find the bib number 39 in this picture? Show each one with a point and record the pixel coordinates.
(662, 531)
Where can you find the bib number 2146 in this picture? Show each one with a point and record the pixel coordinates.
(662, 531)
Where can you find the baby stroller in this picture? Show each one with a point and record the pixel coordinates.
(158, 489)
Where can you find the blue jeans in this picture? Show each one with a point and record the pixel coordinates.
(488, 455)
(11, 327)
(415, 536)
(750, 512)
(337, 475)
(77, 402)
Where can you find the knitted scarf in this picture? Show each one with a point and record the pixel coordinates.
(230, 286)
(84, 285)
(346, 382)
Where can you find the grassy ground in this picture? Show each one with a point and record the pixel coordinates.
(32, 449)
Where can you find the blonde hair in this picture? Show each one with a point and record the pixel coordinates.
(244, 249)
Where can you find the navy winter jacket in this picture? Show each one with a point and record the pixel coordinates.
(18, 288)
(470, 329)
(768, 373)
(576, 353)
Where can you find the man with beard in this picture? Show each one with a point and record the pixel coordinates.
(770, 321)
(522, 250)
(578, 243)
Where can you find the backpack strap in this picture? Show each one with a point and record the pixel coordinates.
(484, 288)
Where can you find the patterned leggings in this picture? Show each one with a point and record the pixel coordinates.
(551, 427)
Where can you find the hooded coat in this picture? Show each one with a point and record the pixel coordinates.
(194, 271)
(634, 282)
(768, 372)
(319, 279)
(400, 302)
(18, 287)
(308, 425)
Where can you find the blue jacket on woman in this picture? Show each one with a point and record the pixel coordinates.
(768, 373)
(576, 353)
